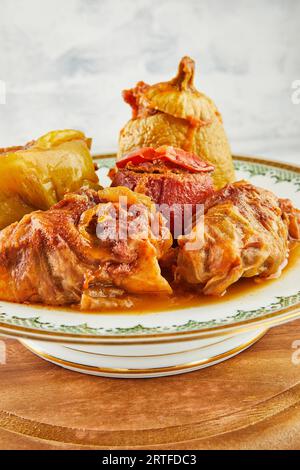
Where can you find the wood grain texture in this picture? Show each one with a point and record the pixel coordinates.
(249, 402)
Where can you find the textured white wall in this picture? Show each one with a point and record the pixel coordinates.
(65, 62)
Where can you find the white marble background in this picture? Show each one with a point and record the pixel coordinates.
(65, 62)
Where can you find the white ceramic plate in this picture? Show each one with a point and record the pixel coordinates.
(175, 341)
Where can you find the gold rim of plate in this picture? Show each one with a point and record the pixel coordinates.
(154, 370)
(266, 321)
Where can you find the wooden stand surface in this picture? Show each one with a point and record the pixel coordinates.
(249, 402)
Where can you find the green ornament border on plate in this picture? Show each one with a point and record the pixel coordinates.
(279, 175)
(280, 172)
(190, 326)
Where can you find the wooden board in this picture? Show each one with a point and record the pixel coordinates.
(249, 402)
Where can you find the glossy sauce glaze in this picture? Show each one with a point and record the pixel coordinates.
(185, 296)
(190, 296)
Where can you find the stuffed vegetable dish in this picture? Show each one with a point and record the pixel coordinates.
(175, 227)
(37, 175)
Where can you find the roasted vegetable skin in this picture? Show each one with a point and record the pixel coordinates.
(176, 180)
(39, 174)
(175, 113)
(176, 157)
